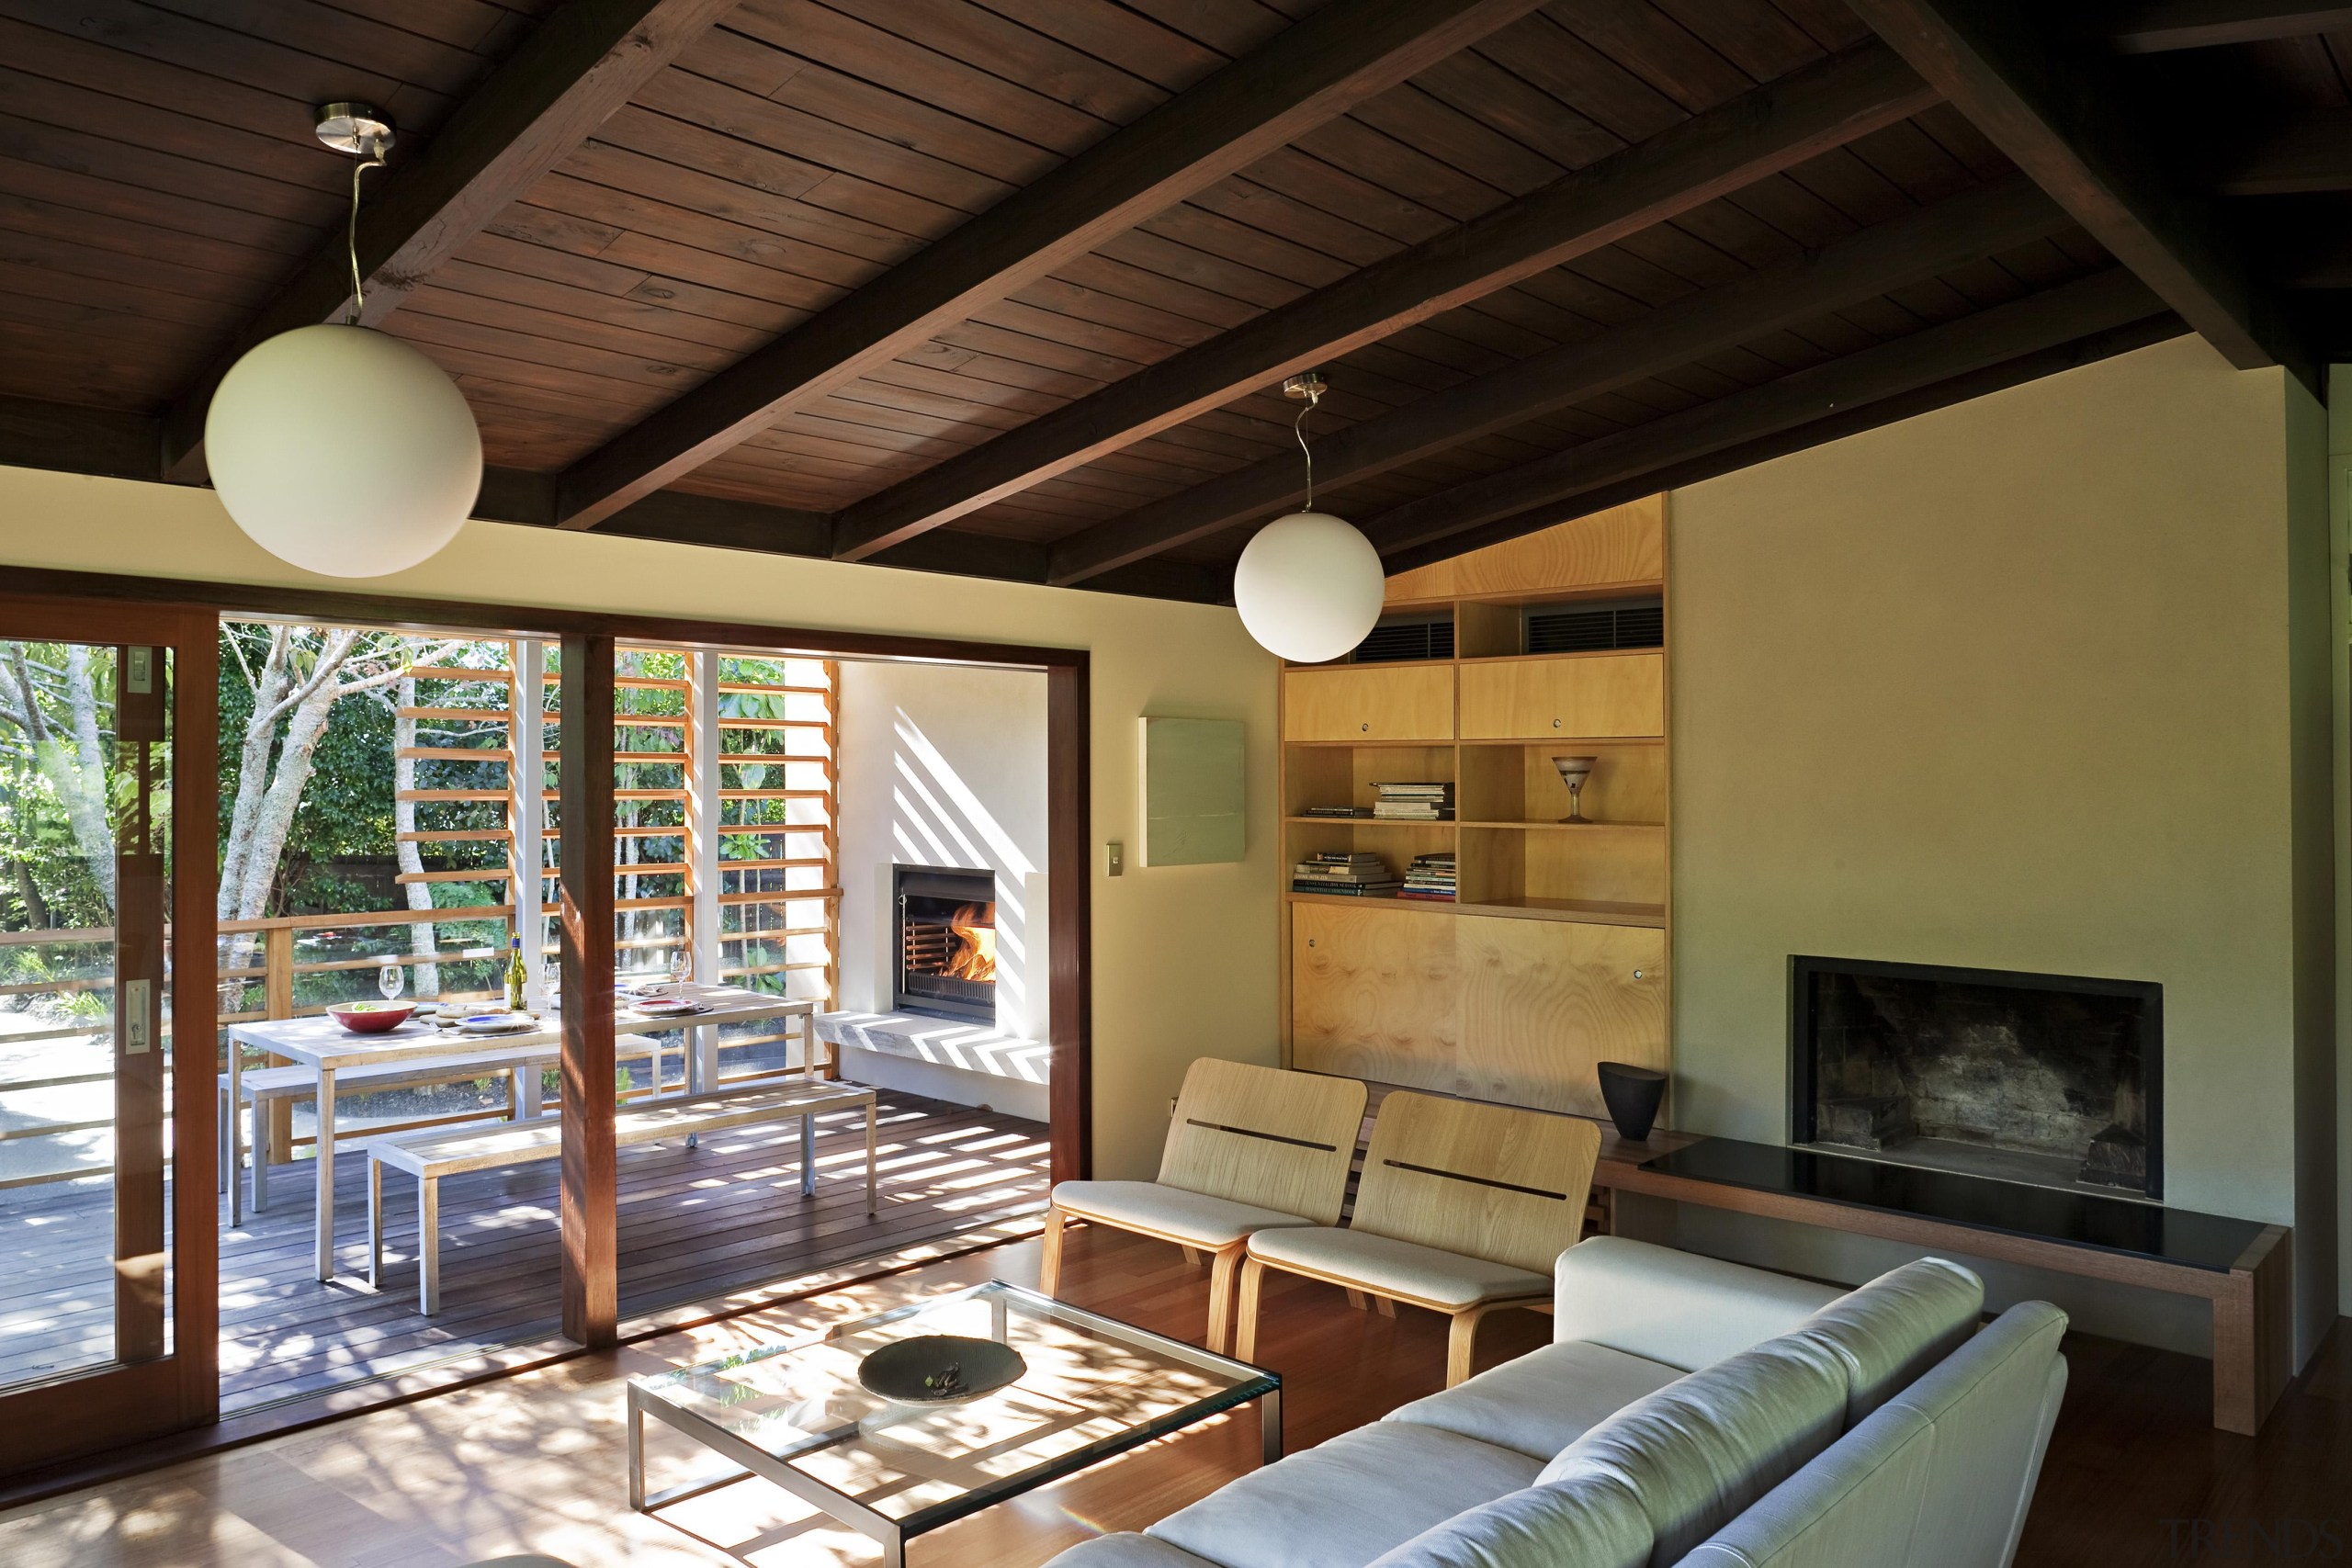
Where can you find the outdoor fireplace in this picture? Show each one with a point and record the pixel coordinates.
(946, 942)
(2052, 1080)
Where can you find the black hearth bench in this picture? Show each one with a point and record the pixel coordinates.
(2243, 1268)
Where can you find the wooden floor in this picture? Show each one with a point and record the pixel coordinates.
(536, 1463)
(693, 1224)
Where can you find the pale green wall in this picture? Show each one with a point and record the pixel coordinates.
(2009, 686)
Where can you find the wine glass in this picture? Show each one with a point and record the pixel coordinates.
(682, 969)
(390, 980)
(1574, 772)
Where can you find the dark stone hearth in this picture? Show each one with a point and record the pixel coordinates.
(2119, 1158)
(2048, 1078)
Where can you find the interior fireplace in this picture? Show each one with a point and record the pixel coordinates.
(2054, 1079)
(946, 942)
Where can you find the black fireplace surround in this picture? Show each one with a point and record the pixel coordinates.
(934, 906)
(2054, 1079)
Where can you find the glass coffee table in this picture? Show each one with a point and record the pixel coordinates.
(795, 1414)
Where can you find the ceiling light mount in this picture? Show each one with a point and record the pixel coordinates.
(1307, 386)
(359, 130)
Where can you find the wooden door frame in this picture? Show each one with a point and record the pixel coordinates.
(1069, 771)
(108, 1406)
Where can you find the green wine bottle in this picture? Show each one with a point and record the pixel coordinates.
(516, 975)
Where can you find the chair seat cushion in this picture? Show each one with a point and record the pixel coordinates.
(1543, 1400)
(1194, 1217)
(1393, 1268)
(1343, 1503)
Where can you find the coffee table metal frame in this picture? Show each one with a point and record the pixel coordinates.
(748, 1459)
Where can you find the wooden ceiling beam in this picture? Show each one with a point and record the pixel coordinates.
(1312, 71)
(2098, 303)
(2066, 115)
(1759, 134)
(566, 76)
(1860, 267)
(2305, 156)
(1845, 421)
(2159, 27)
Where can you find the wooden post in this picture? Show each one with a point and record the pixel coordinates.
(1069, 873)
(278, 1000)
(525, 813)
(702, 737)
(590, 1218)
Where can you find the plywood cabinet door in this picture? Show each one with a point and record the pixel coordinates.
(1372, 994)
(1589, 695)
(1543, 1002)
(1385, 703)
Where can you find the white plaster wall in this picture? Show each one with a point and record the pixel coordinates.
(943, 765)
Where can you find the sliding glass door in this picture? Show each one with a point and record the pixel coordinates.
(107, 1315)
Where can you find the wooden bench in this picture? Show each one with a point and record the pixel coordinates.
(433, 1153)
(262, 1087)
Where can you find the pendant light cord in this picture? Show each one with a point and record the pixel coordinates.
(1299, 428)
(374, 160)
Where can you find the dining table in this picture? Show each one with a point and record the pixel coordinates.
(324, 1048)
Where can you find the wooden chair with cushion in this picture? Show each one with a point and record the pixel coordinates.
(1250, 1150)
(1463, 1209)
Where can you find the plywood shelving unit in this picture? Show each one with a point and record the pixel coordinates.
(1553, 958)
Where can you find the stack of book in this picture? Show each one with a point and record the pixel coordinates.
(1414, 803)
(1430, 876)
(1351, 876)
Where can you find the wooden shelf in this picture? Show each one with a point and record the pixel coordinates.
(1373, 822)
(1581, 912)
(1576, 827)
(1552, 742)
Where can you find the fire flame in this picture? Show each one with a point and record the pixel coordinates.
(975, 929)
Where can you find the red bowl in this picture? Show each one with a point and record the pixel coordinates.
(370, 1018)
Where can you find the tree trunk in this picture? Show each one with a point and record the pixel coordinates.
(405, 850)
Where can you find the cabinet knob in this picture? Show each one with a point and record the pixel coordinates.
(1310, 941)
(1555, 724)
(1364, 729)
(1638, 973)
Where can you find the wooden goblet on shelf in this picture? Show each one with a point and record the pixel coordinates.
(1574, 772)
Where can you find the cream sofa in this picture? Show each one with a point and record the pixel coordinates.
(1688, 1411)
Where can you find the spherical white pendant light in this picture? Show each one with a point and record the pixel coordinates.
(337, 448)
(343, 451)
(1308, 587)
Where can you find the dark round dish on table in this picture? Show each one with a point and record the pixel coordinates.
(940, 1369)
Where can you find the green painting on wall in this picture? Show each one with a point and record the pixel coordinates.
(1192, 771)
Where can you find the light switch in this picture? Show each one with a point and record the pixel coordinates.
(1115, 859)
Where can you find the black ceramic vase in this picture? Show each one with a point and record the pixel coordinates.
(1633, 1095)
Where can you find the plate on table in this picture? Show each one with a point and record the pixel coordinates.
(667, 1007)
(940, 1369)
(497, 1023)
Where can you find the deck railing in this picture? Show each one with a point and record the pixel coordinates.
(269, 951)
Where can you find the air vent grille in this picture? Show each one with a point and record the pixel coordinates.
(1406, 639)
(1593, 628)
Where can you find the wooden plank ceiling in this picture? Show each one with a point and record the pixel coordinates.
(1007, 286)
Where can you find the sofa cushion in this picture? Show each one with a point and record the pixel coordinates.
(1342, 1503)
(1543, 1400)
(1701, 1451)
(1991, 1403)
(1125, 1550)
(1168, 1211)
(1853, 1508)
(1591, 1522)
(1398, 1267)
(1675, 1307)
(1895, 1327)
